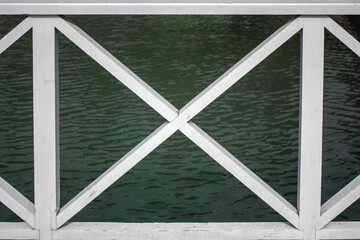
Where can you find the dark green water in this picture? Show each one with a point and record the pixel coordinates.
(256, 119)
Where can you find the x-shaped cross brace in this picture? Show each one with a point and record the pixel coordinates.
(178, 120)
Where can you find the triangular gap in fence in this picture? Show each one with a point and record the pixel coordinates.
(215, 150)
(177, 182)
(341, 90)
(340, 125)
(17, 125)
(100, 119)
(116, 68)
(16, 115)
(262, 119)
(6, 215)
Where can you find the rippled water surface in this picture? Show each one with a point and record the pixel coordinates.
(256, 119)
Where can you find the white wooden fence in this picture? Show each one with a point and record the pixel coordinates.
(309, 220)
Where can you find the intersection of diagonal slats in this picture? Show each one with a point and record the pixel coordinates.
(176, 121)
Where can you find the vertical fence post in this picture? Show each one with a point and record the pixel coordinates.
(46, 124)
(311, 123)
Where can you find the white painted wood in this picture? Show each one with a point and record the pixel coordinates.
(311, 120)
(46, 124)
(340, 230)
(16, 202)
(178, 231)
(343, 35)
(340, 201)
(230, 7)
(167, 129)
(241, 172)
(17, 231)
(15, 34)
(117, 69)
(168, 231)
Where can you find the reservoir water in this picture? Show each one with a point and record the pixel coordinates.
(256, 120)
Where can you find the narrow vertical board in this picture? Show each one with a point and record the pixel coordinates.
(311, 120)
(46, 125)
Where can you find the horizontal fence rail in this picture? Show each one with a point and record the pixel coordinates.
(272, 7)
(45, 220)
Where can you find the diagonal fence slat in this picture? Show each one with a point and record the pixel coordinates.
(340, 201)
(15, 34)
(241, 172)
(123, 165)
(116, 68)
(343, 35)
(16, 202)
(242, 67)
(115, 172)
